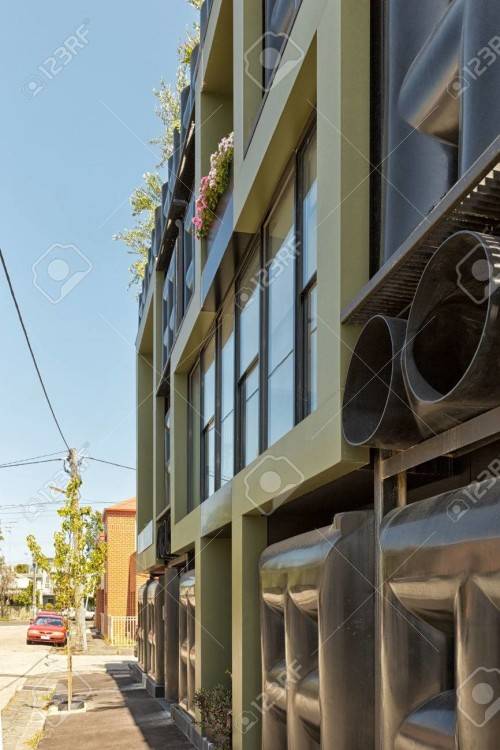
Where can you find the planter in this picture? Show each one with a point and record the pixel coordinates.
(224, 220)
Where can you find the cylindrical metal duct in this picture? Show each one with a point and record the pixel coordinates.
(375, 410)
(452, 351)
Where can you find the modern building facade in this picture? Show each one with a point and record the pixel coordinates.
(279, 450)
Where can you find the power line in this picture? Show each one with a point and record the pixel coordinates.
(111, 463)
(31, 463)
(30, 458)
(19, 314)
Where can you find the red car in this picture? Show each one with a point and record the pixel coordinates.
(47, 627)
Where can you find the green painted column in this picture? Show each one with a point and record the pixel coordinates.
(213, 611)
(249, 540)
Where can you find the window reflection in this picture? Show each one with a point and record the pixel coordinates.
(281, 330)
(194, 418)
(167, 458)
(309, 217)
(208, 422)
(248, 298)
(227, 394)
(309, 211)
(188, 253)
(250, 416)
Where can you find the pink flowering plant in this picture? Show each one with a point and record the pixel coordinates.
(213, 186)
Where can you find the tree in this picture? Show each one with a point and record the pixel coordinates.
(23, 597)
(7, 578)
(22, 569)
(147, 197)
(79, 558)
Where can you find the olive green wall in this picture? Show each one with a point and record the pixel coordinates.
(228, 532)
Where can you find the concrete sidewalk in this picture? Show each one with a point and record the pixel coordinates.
(120, 713)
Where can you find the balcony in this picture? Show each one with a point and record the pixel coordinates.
(176, 192)
(156, 235)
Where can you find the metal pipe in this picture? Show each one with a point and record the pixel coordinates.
(375, 409)
(450, 359)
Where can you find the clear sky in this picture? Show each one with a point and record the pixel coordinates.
(74, 143)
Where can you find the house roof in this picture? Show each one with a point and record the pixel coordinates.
(124, 506)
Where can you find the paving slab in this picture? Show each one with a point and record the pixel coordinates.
(120, 713)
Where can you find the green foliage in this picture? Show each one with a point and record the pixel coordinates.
(22, 569)
(79, 551)
(144, 200)
(143, 203)
(168, 109)
(215, 706)
(24, 597)
(185, 48)
(6, 583)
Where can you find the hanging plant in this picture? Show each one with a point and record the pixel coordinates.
(213, 186)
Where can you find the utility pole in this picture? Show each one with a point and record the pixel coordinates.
(34, 600)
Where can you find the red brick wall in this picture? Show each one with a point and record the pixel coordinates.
(120, 577)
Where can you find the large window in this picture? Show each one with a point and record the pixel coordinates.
(188, 254)
(257, 375)
(167, 458)
(280, 286)
(193, 454)
(170, 306)
(226, 332)
(307, 271)
(208, 419)
(248, 304)
(278, 19)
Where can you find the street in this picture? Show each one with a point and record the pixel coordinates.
(18, 661)
(118, 710)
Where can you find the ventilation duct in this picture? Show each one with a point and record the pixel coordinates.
(452, 352)
(375, 410)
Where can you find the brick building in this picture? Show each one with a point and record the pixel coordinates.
(116, 597)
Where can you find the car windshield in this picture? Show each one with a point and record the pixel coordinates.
(54, 621)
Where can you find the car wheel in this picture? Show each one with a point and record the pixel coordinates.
(28, 643)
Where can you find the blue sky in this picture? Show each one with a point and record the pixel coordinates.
(74, 143)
